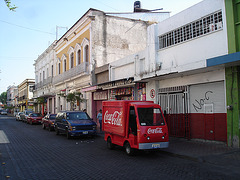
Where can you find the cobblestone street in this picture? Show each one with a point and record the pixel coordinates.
(29, 152)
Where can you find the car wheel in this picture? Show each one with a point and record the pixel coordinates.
(128, 149)
(110, 145)
(56, 130)
(68, 135)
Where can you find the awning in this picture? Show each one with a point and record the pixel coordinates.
(91, 88)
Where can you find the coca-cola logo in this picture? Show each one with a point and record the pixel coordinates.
(154, 131)
(114, 118)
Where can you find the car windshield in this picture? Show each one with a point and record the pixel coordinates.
(52, 116)
(77, 116)
(150, 117)
(36, 115)
(28, 112)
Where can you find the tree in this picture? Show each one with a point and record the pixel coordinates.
(10, 6)
(40, 100)
(3, 98)
(73, 97)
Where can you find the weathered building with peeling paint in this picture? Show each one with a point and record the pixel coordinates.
(82, 56)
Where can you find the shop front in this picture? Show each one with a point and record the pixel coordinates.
(125, 89)
(98, 97)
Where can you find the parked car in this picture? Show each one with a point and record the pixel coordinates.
(48, 121)
(18, 118)
(16, 111)
(74, 123)
(34, 118)
(25, 114)
(4, 112)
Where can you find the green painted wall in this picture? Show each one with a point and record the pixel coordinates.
(233, 73)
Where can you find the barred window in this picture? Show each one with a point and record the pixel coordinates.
(205, 25)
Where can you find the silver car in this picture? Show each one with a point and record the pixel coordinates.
(18, 116)
(4, 112)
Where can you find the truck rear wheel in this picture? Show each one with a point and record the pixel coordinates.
(128, 149)
(110, 145)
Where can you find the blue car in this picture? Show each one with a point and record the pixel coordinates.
(74, 123)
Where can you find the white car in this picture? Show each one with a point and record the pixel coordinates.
(4, 112)
(18, 118)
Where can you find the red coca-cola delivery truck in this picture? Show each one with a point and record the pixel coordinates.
(134, 125)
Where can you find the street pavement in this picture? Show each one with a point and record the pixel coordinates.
(28, 152)
(205, 151)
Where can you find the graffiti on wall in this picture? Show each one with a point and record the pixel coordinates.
(199, 103)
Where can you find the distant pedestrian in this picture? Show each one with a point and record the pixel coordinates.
(99, 118)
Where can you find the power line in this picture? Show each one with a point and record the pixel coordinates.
(106, 5)
(27, 27)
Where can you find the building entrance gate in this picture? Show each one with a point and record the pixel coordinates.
(174, 103)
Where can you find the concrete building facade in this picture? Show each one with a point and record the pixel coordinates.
(183, 71)
(25, 94)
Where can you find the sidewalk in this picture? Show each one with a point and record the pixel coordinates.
(204, 151)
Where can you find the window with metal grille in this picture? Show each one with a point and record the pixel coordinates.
(205, 25)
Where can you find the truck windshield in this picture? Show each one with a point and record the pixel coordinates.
(150, 117)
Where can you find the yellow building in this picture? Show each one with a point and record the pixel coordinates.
(25, 94)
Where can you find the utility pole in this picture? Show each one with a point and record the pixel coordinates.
(57, 29)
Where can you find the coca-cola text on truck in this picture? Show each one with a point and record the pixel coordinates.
(134, 125)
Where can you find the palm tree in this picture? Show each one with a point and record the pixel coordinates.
(73, 97)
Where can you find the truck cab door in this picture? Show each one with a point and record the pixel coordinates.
(132, 130)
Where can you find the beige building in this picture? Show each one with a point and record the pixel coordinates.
(25, 94)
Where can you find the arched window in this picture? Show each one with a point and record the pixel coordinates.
(59, 68)
(79, 56)
(65, 65)
(86, 53)
(71, 57)
(72, 60)
(86, 49)
(52, 70)
(78, 53)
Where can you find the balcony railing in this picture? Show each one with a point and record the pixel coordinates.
(80, 69)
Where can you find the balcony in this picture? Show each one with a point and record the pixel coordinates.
(83, 68)
(80, 69)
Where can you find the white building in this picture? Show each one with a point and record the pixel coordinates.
(12, 92)
(174, 68)
(44, 73)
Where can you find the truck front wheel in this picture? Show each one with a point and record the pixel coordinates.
(110, 145)
(128, 149)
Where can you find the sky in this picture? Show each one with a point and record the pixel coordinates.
(26, 33)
